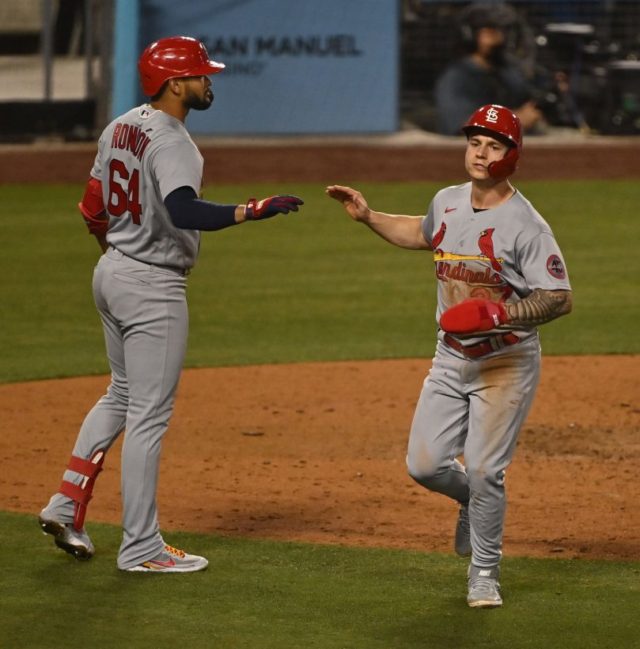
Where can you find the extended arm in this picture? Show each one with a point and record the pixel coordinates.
(401, 230)
(189, 212)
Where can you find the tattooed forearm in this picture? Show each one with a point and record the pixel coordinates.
(539, 307)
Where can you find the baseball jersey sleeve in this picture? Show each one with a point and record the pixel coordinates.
(542, 265)
(96, 170)
(179, 164)
(428, 225)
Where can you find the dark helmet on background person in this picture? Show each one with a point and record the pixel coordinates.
(173, 57)
(503, 124)
(482, 14)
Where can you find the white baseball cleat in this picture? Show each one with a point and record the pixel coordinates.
(484, 589)
(67, 538)
(171, 560)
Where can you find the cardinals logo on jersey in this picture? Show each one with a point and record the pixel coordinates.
(439, 236)
(485, 243)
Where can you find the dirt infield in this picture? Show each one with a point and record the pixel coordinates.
(317, 453)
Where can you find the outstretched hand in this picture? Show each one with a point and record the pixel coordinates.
(268, 207)
(352, 201)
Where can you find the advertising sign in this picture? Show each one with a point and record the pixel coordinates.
(292, 66)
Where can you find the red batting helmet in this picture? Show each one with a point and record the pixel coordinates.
(169, 58)
(498, 121)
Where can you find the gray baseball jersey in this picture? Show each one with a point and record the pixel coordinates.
(139, 287)
(475, 406)
(142, 157)
(501, 254)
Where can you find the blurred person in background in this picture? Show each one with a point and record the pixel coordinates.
(486, 72)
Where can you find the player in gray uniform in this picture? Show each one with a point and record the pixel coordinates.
(500, 274)
(142, 204)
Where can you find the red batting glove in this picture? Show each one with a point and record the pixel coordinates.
(281, 204)
(474, 314)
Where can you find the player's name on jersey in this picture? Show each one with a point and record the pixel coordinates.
(130, 138)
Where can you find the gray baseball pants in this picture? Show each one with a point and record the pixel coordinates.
(473, 408)
(145, 319)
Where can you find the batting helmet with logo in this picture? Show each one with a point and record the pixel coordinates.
(173, 57)
(502, 123)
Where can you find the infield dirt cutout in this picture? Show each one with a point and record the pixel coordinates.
(315, 452)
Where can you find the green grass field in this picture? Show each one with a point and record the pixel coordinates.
(308, 286)
(259, 594)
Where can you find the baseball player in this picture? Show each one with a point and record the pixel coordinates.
(500, 274)
(142, 203)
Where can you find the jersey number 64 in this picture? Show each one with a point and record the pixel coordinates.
(124, 189)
